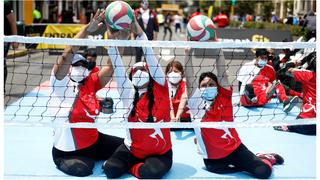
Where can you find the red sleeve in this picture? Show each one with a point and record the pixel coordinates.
(155, 19)
(96, 80)
(225, 92)
(302, 75)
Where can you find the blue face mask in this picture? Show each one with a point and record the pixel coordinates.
(209, 93)
(262, 63)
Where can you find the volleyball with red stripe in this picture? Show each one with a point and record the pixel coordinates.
(200, 28)
(119, 15)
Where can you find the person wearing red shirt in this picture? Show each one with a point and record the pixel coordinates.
(257, 81)
(308, 78)
(146, 153)
(177, 92)
(221, 19)
(74, 82)
(221, 148)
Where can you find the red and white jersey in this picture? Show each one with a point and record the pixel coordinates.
(73, 105)
(175, 96)
(146, 142)
(251, 74)
(308, 80)
(214, 143)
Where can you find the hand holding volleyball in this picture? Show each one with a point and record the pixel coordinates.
(201, 28)
(97, 21)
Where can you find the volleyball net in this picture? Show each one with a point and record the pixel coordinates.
(28, 97)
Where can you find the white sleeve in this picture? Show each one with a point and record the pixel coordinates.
(196, 105)
(124, 85)
(154, 66)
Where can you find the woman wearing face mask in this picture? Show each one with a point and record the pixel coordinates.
(177, 92)
(257, 82)
(73, 100)
(146, 153)
(221, 148)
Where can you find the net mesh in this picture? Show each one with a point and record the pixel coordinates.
(28, 90)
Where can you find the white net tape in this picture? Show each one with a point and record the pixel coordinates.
(32, 114)
(166, 44)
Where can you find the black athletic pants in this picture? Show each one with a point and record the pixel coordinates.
(241, 159)
(122, 160)
(81, 162)
(303, 129)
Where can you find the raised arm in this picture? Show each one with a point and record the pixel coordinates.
(125, 86)
(221, 71)
(62, 65)
(154, 66)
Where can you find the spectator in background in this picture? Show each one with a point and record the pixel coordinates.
(36, 15)
(67, 15)
(222, 20)
(10, 28)
(177, 19)
(274, 18)
(167, 26)
(310, 25)
(148, 21)
(89, 12)
(160, 18)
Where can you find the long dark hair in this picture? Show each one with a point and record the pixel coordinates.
(150, 97)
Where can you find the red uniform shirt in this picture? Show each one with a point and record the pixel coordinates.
(308, 80)
(260, 83)
(147, 142)
(177, 98)
(214, 143)
(220, 142)
(85, 105)
(222, 20)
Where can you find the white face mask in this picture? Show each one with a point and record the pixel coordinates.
(209, 93)
(174, 78)
(140, 78)
(79, 73)
(262, 62)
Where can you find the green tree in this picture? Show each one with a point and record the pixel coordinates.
(267, 8)
(245, 7)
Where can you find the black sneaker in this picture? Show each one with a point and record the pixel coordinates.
(288, 104)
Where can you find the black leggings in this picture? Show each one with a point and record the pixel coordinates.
(153, 167)
(241, 159)
(304, 129)
(81, 162)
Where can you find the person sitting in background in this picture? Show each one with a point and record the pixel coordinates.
(308, 78)
(310, 25)
(177, 92)
(257, 83)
